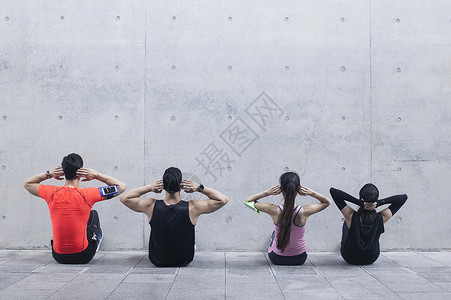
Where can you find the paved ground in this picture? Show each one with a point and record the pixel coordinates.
(225, 275)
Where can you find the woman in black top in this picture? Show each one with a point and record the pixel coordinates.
(362, 229)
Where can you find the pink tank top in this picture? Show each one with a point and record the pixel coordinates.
(296, 245)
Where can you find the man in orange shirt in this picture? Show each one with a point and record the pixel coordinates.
(76, 228)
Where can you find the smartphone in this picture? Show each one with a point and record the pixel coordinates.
(108, 191)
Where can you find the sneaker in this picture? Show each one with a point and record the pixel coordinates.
(99, 238)
(94, 230)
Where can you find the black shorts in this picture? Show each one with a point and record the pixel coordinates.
(82, 257)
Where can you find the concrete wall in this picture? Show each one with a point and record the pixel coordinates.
(234, 93)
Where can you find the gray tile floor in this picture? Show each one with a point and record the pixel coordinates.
(225, 275)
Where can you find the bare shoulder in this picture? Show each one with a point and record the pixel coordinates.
(268, 208)
(145, 205)
(197, 205)
(193, 202)
(386, 215)
(307, 209)
(148, 201)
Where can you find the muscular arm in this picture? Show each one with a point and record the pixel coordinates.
(215, 200)
(90, 174)
(133, 200)
(32, 184)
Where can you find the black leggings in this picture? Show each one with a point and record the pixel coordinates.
(295, 260)
(86, 255)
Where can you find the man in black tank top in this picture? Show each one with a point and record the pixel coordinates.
(172, 220)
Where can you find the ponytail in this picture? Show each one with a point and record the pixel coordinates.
(367, 217)
(289, 183)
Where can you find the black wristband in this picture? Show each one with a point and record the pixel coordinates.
(200, 189)
(48, 174)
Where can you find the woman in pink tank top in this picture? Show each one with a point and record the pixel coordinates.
(288, 245)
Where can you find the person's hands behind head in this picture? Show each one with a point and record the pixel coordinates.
(157, 186)
(369, 205)
(88, 174)
(305, 191)
(57, 173)
(189, 186)
(275, 190)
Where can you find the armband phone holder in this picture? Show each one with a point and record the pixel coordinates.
(252, 206)
(108, 191)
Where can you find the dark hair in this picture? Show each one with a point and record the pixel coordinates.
(367, 217)
(289, 183)
(369, 193)
(70, 164)
(172, 178)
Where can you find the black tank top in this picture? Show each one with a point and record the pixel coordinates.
(171, 242)
(362, 244)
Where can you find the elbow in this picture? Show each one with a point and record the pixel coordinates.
(332, 191)
(26, 185)
(404, 199)
(225, 200)
(328, 202)
(123, 199)
(122, 187)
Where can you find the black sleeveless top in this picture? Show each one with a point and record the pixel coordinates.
(171, 242)
(361, 245)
